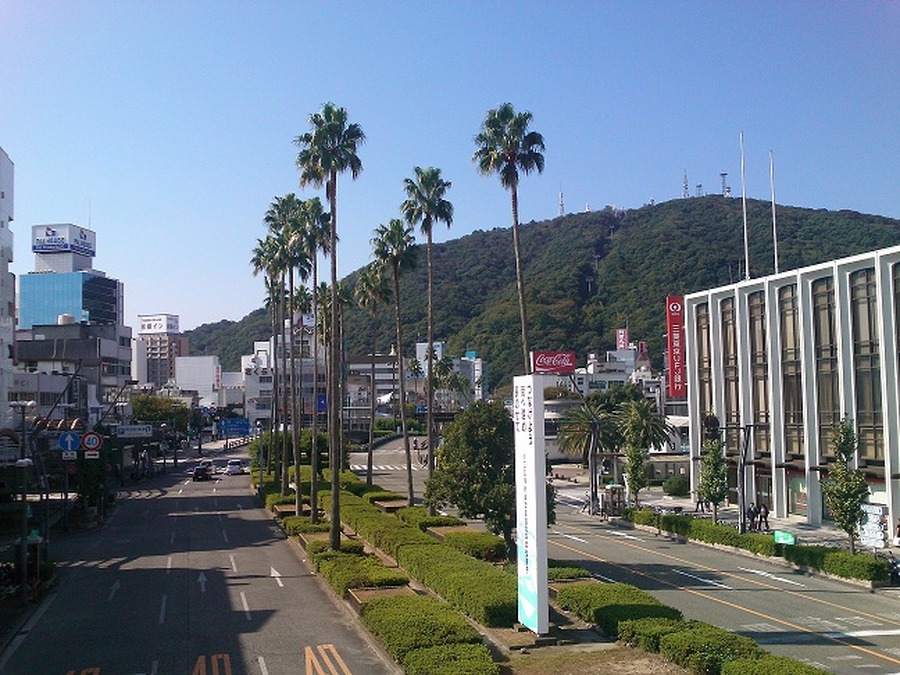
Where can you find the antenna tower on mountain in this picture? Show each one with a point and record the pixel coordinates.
(726, 188)
(562, 208)
(684, 186)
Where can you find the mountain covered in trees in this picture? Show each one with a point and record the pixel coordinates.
(586, 274)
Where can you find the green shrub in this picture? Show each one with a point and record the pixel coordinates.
(485, 593)
(702, 648)
(646, 633)
(404, 623)
(276, 498)
(343, 571)
(769, 664)
(452, 659)
(608, 604)
(293, 525)
(840, 562)
(563, 569)
(481, 545)
(373, 496)
(677, 486)
(315, 549)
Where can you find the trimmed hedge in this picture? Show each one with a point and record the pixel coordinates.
(316, 549)
(702, 648)
(293, 525)
(404, 623)
(608, 604)
(836, 561)
(343, 571)
(373, 496)
(454, 659)
(563, 569)
(481, 545)
(769, 665)
(485, 593)
(417, 516)
(646, 633)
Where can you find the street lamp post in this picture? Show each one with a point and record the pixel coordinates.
(22, 466)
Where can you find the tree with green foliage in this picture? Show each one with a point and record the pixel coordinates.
(642, 427)
(371, 290)
(149, 408)
(393, 248)
(713, 485)
(475, 469)
(425, 204)
(328, 149)
(505, 147)
(845, 488)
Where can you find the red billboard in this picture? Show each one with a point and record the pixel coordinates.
(675, 343)
(560, 362)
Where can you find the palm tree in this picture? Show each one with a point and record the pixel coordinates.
(327, 150)
(393, 247)
(425, 204)
(300, 304)
(505, 147)
(263, 259)
(371, 290)
(284, 218)
(641, 428)
(584, 431)
(414, 367)
(316, 230)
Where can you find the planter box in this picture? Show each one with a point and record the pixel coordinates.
(392, 505)
(357, 597)
(440, 531)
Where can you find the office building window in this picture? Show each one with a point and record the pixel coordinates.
(704, 365)
(791, 383)
(759, 372)
(732, 413)
(828, 401)
(867, 364)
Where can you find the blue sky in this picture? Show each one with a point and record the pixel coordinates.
(167, 127)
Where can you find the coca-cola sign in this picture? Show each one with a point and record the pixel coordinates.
(562, 362)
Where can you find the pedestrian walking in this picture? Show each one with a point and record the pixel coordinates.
(700, 505)
(763, 518)
(751, 513)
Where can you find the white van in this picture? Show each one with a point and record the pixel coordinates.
(234, 466)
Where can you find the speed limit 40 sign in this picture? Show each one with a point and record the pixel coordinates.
(91, 441)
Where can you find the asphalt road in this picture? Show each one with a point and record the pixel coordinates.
(189, 578)
(834, 625)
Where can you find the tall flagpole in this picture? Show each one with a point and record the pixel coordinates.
(774, 229)
(744, 201)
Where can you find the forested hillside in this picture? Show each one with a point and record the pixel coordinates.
(586, 274)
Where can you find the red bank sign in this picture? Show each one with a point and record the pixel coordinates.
(562, 362)
(675, 331)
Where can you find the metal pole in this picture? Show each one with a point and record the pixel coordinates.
(21, 469)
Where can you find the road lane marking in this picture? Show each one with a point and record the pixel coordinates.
(246, 606)
(733, 605)
(275, 575)
(705, 581)
(112, 590)
(625, 535)
(25, 630)
(225, 536)
(774, 577)
(603, 578)
(202, 581)
(172, 538)
(570, 536)
(162, 610)
(233, 564)
(326, 652)
(168, 564)
(262, 666)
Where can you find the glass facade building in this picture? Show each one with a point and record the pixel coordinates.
(86, 295)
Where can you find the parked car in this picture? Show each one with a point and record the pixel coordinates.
(210, 466)
(201, 473)
(234, 466)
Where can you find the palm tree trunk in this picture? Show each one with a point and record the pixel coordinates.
(370, 451)
(520, 283)
(429, 413)
(314, 451)
(284, 397)
(276, 390)
(334, 418)
(295, 417)
(409, 480)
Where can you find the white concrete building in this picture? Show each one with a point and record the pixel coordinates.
(202, 374)
(7, 284)
(782, 359)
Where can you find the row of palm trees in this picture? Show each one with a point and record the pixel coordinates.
(299, 230)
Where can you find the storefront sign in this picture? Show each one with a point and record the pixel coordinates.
(675, 344)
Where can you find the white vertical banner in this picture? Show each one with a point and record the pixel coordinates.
(531, 502)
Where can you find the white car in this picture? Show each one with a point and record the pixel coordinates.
(210, 466)
(234, 466)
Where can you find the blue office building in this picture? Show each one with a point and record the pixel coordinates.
(85, 295)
